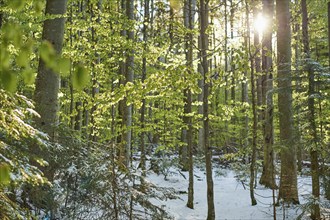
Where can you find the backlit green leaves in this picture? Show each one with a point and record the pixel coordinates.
(8, 80)
(4, 174)
(175, 4)
(64, 66)
(29, 76)
(47, 54)
(58, 64)
(80, 77)
(16, 4)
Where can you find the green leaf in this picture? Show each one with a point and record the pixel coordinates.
(16, 4)
(23, 58)
(9, 81)
(38, 6)
(175, 4)
(4, 174)
(47, 53)
(64, 65)
(29, 76)
(80, 77)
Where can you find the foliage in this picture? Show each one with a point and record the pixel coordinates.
(17, 160)
(90, 176)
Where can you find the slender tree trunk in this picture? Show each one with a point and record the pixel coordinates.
(226, 55)
(327, 175)
(95, 84)
(296, 33)
(201, 132)
(129, 79)
(254, 110)
(144, 73)
(1, 14)
(190, 6)
(288, 183)
(329, 31)
(245, 95)
(121, 104)
(232, 64)
(204, 11)
(315, 215)
(268, 173)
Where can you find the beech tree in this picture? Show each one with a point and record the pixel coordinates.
(268, 173)
(314, 134)
(288, 181)
(204, 22)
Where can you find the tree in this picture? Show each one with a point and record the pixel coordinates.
(189, 20)
(268, 173)
(311, 92)
(254, 66)
(47, 85)
(288, 181)
(204, 9)
(47, 81)
(129, 79)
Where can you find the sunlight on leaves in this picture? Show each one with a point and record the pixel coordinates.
(64, 65)
(4, 174)
(9, 81)
(28, 76)
(175, 4)
(23, 58)
(80, 77)
(47, 52)
(16, 4)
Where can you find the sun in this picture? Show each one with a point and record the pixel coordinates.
(260, 23)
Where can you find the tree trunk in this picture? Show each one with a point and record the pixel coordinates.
(144, 74)
(297, 44)
(226, 55)
(329, 31)
(232, 64)
(288, 183)
(47, 81)
(327, 175)
(315, 215)
(95, 84)
(129, 79)
(121, 104)
(46, 91)
(268, 172)
(201, 132)
(189, 23)
(254, 110)
(204, 11)
(1, 14)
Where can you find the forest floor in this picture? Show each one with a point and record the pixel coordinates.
(231, 195)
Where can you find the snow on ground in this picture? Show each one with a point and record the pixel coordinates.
(232, 199)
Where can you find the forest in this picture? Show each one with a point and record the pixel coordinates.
(164, 109)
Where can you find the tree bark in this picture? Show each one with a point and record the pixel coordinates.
(47, 81)
(129, 79)
(288, 183)
(204, 11)
(190, 6)
(144, 74)
(315, 215)
(253, 63)
(46, 91)
(268, 172)
(1, 15)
